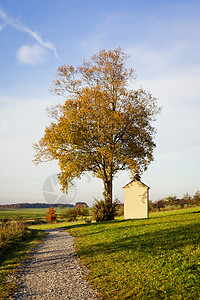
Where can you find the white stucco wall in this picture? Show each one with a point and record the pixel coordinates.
(136, 198)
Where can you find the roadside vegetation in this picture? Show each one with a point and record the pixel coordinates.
(10, 233)
(16, 241)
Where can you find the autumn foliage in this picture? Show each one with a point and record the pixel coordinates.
(51, 215)
(104, 126)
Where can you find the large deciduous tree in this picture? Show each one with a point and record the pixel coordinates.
(103, 126)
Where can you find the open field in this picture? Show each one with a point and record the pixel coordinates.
(26, 213)
(156, 258)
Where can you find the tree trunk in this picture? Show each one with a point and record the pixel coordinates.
(108, 192)
(108, 200)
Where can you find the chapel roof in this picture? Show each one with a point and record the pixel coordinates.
(136, 178)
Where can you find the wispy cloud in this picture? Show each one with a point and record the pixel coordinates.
(31, 55)
(15, 23)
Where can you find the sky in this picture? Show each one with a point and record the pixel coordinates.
(163, 41)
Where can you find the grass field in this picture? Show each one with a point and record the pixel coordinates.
(156, 258)
(26, 213)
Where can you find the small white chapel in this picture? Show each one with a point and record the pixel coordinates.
(136, 199)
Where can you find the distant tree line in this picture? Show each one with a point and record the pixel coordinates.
(172, 201)
(39, 205)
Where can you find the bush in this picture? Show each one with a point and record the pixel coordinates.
(151, 205)
(196, 198)
(82, 211)
(160, 204)
(51, 215)
(120, 210)
(18, 217)
(103, 212)
(70, 214)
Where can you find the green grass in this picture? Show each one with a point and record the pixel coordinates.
(155, 258)
(26, 213)
(54, 225)
(10, 233)
(29, 213)
(12, 258)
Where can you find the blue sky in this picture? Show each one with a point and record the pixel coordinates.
(163, 41)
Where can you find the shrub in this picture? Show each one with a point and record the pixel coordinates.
(160, 204)
(82, 210)
(70, 214)
(18, 217)
(104, 212)
(196, 198)
(120, 210)
(51, 215)
(151, 205)
(182, 203)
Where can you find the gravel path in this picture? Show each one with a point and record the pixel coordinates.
(54, 272)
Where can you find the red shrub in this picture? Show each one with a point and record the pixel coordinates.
(51, 215)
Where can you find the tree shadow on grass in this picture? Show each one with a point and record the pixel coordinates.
(157, 241)
(11, 258)
(100, 224)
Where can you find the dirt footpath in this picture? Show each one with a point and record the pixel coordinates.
(54, 272)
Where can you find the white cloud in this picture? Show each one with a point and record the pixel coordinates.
(31, 55)
(21, 27)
